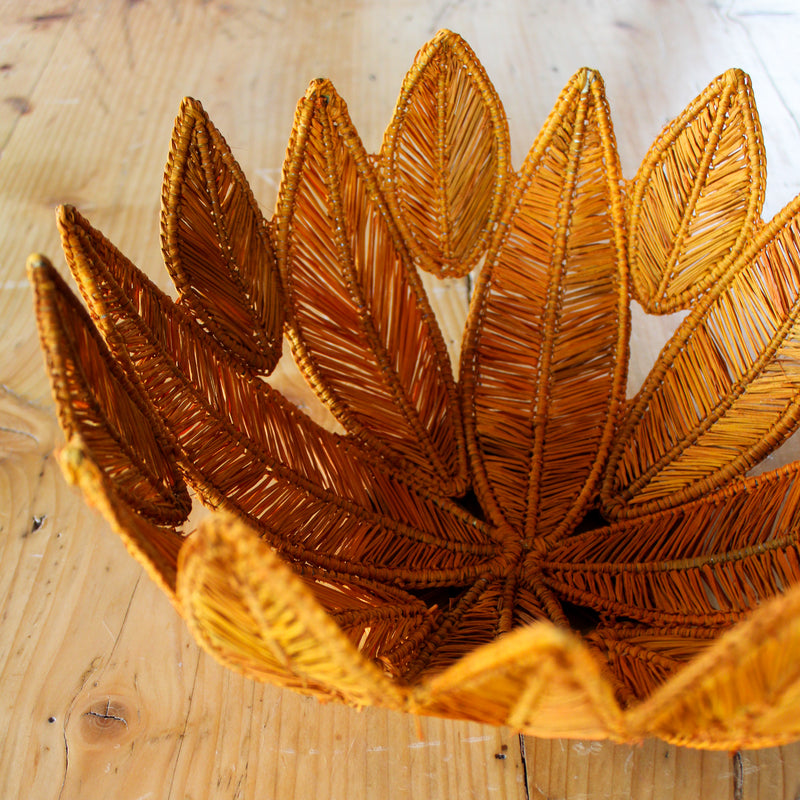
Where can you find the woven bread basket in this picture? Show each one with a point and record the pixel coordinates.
(510, 540)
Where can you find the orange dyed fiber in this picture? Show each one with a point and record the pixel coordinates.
(516, 544)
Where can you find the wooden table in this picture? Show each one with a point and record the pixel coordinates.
(102, 691)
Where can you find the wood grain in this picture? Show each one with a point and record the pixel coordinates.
(102, 691)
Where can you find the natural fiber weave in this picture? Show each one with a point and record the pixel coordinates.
(518, 545)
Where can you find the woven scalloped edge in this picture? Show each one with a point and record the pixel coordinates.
(539, 680)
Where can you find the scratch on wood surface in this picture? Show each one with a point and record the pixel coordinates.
(582, 748)
(738, 776)
(66, 761)
(53, 16)
(628, 762)
(270, 175)
(10, 284)
(523, 755)
(185, 727)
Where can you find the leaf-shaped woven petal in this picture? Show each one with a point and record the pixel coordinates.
(704, 563)
(445, 157)
(244, 448)
(743, 691)
(725, 391)
(251, 611)
(217, 245)
(525, 677)
(545, 354)
(96, 401)
(360, 324)
(697, 196)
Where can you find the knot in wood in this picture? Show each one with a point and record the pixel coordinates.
(105, 721)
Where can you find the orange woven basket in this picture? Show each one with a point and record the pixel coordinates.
(514, 543)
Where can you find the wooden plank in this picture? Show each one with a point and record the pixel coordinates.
(102, 691)
(653, 770)
(564, 769)
(30, 35)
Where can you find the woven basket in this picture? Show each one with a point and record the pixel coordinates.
(519, 544)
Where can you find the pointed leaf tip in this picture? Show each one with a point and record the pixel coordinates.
(37, 261)
(65, 214)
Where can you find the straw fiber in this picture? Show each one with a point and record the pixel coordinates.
(512, 541)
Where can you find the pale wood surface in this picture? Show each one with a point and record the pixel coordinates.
(102, 691)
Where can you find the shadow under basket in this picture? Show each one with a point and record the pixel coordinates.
(508, 539)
